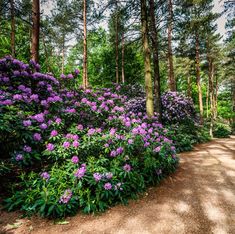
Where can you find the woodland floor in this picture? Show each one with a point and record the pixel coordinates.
(199, 198)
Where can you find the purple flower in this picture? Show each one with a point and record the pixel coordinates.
(79, 127)
(39, 117)
(97, 176)
(157, 149)
(91, 131)
(50, 147)
(62, 76)
(45, 176)
(43, 126)
(75, 159)
(66, 144)
(107, 186)
(106, 145)
(19, 157)
(113, 153)
(27, 123)
(37, 136)
(54, 133)
(75, 144)
(112, 131)
(76, 72)
(70, 76)
(109, 175)
(27, 148)
(130, 141)
(58, 120)
(119, 150)
(127, 168)
(80, 172)
(17, 97)
(65, 198)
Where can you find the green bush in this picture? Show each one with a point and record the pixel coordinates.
(221, 130)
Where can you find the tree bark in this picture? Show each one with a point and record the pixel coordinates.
(147, 64)
(62, 65)
(123, 59)
(198, 78)
(116, 43)
(171, 76)
(35, 30)
(85, 77)
(154, 39)
(189, 86)
(12, 5)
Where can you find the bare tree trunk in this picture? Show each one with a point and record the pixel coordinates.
(35, 30)
(207, 100)
(63, 55)
(85, 78)
(189, 86)
(12, 4)
(147, 64)
(216, 96)
(123, 59)
(198, 78)
(154, 39)
(116, 43)
(171, 76)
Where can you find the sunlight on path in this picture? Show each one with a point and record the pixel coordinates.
(198, 198)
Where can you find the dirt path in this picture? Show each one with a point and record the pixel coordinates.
(198, 198)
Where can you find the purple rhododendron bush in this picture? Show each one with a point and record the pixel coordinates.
(178, 115)
(75, 149)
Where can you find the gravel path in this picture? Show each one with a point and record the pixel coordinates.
(198, 198)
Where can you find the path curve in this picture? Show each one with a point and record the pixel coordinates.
(199, 198)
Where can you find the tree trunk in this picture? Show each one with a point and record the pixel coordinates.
(198, 78)
(123, 61)
(189, 87)
(116, 43)
(62, 65)
(147, 64)
(85, 78)
(154, 39)
(12, 4)
(207, 100)
(35, 30)
(171, 77)
(211, 86)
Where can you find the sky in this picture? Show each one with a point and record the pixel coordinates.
(218, 8)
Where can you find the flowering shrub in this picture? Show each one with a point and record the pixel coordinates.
(76, 149)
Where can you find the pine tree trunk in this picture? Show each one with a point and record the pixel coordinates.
(211, 94)
(35, 30)
(12, 5)
(147, 64)
(85, 78)
(123, 59)
(116, 43)
(62, 64)
(198, 78)
(207, 100)
(189, 86)
(154, 39)
(171, 76)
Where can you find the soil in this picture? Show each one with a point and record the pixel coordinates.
(199, 198)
